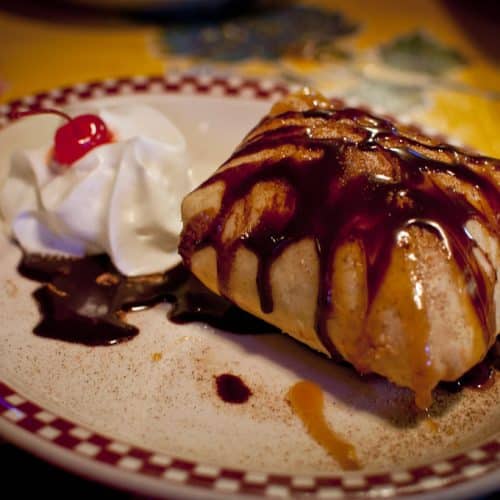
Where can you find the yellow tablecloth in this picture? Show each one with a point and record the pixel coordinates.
(434, 62)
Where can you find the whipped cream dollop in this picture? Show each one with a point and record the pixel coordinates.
(122, 198)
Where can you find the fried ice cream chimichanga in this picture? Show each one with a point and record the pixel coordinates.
(357, 238)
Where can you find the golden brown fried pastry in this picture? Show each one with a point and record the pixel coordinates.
(357, 238)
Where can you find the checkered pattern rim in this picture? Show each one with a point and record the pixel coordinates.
(174, 83)
(68, 435)
(58, 431)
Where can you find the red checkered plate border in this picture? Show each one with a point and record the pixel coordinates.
(92, 454)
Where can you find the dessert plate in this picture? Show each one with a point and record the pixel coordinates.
(146, 416)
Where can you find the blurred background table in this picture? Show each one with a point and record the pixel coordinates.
(435, 62)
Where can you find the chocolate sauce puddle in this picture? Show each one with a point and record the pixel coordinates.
(232, 389)
(86, 300)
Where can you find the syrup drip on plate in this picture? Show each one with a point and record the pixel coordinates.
(306, 399)
(232, 389)
(86, 300)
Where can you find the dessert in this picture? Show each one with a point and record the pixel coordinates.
(360, 239)
(96, 214)
(116, 191)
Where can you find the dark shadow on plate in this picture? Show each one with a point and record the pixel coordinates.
(365, 393)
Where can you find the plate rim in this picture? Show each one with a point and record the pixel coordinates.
(83, 451)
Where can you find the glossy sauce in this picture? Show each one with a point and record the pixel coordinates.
(306, 399)
(481, 376)
(85, 300)
(231, 389)
(331, 208)
(432, 424)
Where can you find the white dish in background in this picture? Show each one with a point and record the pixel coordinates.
(157, 427)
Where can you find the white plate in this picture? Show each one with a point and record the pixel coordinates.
(158, 427)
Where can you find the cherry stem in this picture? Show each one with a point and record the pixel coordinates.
(39, 111)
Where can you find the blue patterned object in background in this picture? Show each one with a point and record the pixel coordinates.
(393, 97)
(310, 33)
(307, 32)
(422, 53)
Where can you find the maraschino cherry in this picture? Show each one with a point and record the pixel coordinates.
(76, 137)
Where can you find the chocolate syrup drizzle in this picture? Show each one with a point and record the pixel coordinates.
(86, 300)
(331, 208)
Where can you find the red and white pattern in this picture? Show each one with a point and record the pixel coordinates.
(61, 432)
(70, 436)
(184, 84)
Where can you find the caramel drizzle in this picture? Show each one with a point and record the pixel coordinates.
(307, 402)
(369, 209)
